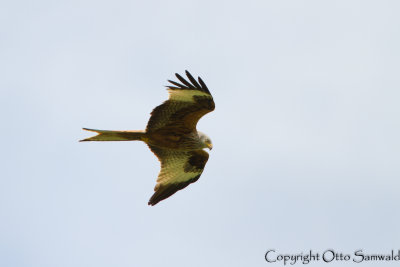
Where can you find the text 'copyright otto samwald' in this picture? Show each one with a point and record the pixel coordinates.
(330, 255)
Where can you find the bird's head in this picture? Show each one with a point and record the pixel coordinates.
(205, 140)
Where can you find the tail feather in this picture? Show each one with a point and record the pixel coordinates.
(106, 135)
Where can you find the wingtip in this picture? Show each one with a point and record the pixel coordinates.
(154, 200)
(151, 203)
(190, 84)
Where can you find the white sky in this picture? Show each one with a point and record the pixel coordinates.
(306, 130)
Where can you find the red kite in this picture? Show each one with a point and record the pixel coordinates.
(172, 136)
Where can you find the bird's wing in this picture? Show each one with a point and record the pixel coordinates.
(186, 104)
(178, 170)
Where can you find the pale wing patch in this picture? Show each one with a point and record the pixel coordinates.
(178, 170)
(185, 95)
(173, 170)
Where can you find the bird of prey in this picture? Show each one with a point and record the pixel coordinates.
(172, 136)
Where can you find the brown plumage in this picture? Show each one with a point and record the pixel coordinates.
(172, 136)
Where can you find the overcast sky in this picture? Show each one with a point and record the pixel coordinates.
(305, 131)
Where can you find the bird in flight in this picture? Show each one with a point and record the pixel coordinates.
(172, 136)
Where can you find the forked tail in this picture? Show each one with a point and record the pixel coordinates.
(105, 135)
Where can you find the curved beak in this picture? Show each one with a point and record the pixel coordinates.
(209, 146)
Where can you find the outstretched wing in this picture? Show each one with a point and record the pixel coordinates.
(186, 104)
(178, 170)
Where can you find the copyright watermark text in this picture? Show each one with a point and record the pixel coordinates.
(330, 255)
